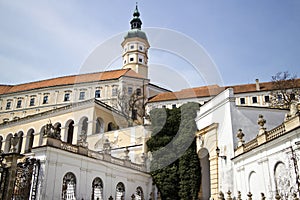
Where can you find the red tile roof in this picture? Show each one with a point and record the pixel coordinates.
(69, 80)
(212, 90)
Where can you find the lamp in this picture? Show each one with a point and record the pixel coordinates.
(218, 154)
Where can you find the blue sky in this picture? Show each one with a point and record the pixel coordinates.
(246, 39)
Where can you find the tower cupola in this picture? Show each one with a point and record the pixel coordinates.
(135, 47)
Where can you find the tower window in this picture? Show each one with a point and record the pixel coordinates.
(31, 103)
(242, 101)
(81, 95)
(131, 59)
(8, 105)
(141, 48)
(254, 99)
(97, 93)
(19, 103)
(124, 61)
(45, 99)
(140, 60)
(131, 47)
(67, 97)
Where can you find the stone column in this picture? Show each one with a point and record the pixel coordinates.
(75, 134)
(91, 127)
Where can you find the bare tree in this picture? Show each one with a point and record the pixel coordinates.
(285, 90)
(131, 105)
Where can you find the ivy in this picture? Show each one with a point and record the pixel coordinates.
(173, 141)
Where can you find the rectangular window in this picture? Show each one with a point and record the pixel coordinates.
(8, 105)
(254, 99)
(131, 59)
(164, 106)
(81, 95)
(67, 97)
(134, 114)
(45, 100)
(267, 99)
(140, 60)
(31, 103)
(129, 90)
(97, 94)
(174, 106)
(292, 96)
(19, 103)
(242, 101)
(279, 96)
(114, 92)
(138, 91)
(141, 48)
(132, 47)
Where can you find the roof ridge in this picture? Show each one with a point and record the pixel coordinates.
(66, 76)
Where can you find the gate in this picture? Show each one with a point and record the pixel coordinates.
(3, 181)
(26, 179)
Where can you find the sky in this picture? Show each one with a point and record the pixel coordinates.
(244, 40)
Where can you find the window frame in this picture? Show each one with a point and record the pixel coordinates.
(32, 101)
(81, 95)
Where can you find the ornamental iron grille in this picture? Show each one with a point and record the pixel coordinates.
(26, 183)
(69, 187)
(120, 191)
(97, 193)
(139, 194)
(3, 181)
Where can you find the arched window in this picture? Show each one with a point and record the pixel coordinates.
(29, 140)
(83, 125)
(120, 191)
(97, 193)
(282, 180)
(139, 194)
(7, 143)
(111, 126)
(70, 131)
(99, 125)
(253, 186)
(69, 187)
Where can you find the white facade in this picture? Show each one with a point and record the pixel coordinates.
(218, 122)
(56, 163)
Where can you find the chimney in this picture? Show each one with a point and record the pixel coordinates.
(257, 84)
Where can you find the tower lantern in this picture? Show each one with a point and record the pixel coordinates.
(135, 47)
